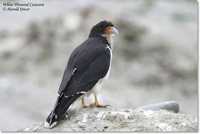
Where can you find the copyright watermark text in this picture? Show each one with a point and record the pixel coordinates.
(17, 6)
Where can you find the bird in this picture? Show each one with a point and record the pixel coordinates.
(88, 66)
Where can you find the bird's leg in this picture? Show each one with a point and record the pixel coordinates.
(83, 104)
(96, 103)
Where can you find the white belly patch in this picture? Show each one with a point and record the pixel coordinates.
(97, 87)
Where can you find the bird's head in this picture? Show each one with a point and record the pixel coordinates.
(103, 29)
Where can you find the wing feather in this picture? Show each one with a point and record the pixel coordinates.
(91, 62)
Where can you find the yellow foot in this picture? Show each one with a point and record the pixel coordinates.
(98, 105)
(83, 104)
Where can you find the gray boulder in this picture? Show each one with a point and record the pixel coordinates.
(146, 119)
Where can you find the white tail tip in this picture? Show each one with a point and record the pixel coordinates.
(46, 125)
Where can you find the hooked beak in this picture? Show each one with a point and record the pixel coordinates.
(114, 31)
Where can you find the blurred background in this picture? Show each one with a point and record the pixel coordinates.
(154, 56)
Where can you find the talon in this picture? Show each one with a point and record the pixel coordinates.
(96, 104)
(84, 106)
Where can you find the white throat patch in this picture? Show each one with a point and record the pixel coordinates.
(109, 39)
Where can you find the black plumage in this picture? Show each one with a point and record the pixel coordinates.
(88, 63)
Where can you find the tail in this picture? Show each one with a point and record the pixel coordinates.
(62, 104)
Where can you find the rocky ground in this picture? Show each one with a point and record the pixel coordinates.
(115, 119)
